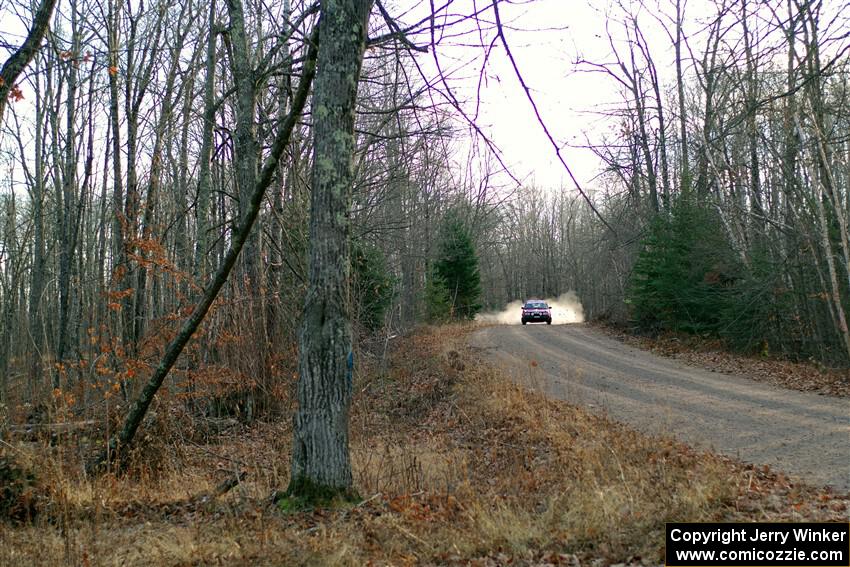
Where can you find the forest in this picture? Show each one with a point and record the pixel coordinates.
(213, 209)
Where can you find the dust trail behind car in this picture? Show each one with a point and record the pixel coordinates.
(566, 308)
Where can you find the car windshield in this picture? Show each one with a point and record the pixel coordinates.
(535, 305)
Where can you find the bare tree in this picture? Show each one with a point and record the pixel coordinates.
(191, 324)
(320, 455)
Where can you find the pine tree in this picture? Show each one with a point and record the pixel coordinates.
(684, 277)
(456, 271)
(373, 284)
(437, 300)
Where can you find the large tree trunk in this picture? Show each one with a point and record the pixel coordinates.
(246, 146)
(119, 252)
(320, 456)
(752, 131)
(39, 264)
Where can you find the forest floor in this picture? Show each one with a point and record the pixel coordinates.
(455, 463)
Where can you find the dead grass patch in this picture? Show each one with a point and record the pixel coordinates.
(455, 463)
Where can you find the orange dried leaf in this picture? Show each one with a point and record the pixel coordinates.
(16, 94)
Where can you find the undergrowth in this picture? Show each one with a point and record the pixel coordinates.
(453, 463)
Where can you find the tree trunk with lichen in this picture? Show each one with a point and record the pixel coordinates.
(246, 145)
(321, 465)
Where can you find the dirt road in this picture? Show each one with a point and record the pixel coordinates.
(802, 434)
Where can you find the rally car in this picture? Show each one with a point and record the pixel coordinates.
(536, 311)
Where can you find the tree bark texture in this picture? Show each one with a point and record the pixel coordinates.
(320, 449)
(245, 137)
(205, 176)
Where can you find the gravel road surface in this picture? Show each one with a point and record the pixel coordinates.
(802, 434)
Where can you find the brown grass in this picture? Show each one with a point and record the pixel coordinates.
(456, 465)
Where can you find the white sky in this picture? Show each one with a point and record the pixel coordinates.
(564, 97)
(546, 37)
(544, 56)
(554, 34)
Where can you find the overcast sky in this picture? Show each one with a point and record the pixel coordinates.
(547, 37)
(550, 36)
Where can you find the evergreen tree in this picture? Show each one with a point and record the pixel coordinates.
(684, 277)
(373, 284)
(437, 300)
(456, 272)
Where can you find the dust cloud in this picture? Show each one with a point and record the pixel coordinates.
(566, 308)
